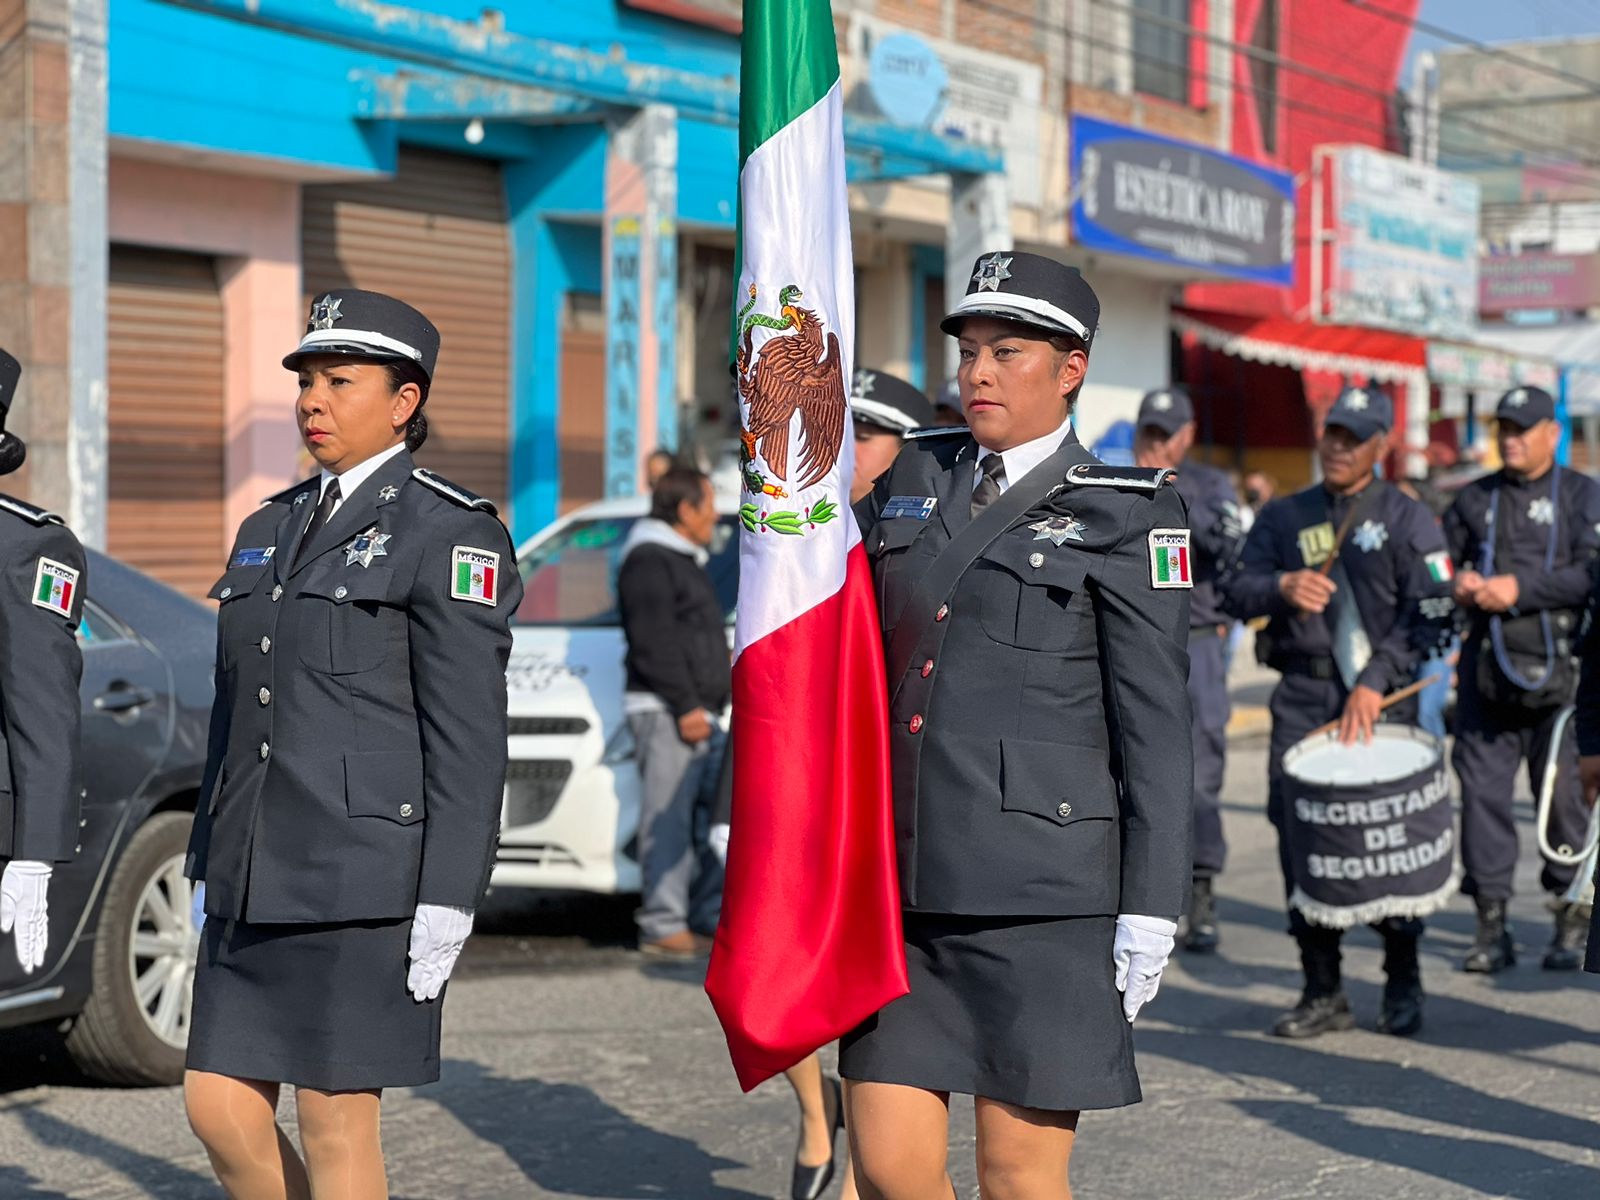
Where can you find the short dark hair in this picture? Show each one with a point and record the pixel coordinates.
(401, 373)
(680, 485)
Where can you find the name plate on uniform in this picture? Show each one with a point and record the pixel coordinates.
(1316, 544)
(257, 557)
(919, 508)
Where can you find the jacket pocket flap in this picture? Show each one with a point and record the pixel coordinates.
(1040, 564)
(1063, 784)
(346, 586)
(240, 581)
(384, 783)
(896, 534)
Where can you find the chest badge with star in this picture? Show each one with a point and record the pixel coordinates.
(1372, 535)
(366, 547)
(389, 493)
(1059, 530)
(1542, 511)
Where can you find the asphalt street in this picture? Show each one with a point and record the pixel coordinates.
(574, 1070)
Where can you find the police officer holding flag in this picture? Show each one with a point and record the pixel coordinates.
(1342, 636)
(1524, 540)
(42, 577)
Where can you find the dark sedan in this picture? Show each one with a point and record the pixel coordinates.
(120, 967)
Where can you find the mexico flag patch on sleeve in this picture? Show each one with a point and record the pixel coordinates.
(54, 585)
(474, 575)
(1169, 559)
(1440, 568)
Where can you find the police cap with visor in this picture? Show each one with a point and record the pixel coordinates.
(1525, 407)
(1166, 409)
(369, 326)
(880, 400)
(1010, 285)
(1363, 412)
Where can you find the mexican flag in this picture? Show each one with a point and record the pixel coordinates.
(810, 940)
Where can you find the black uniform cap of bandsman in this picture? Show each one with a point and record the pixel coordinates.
(1365, 412)
(13, 451)
(370, 326)
(1029, 289)
(1168, 409)
(1525, 407)
(882, 400)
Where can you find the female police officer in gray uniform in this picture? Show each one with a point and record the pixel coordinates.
(1036, 610)
(357, 758)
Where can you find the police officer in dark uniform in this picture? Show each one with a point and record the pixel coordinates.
(1524, 540)
(352, 792)
(1163, 438)
(42, 577)
(1341, 639)
(884, 409)
(1035, 606)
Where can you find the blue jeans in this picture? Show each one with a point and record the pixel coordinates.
(1431, 703)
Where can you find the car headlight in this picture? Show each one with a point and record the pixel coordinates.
(619, 747)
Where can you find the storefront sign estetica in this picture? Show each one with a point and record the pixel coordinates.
(1135, 193)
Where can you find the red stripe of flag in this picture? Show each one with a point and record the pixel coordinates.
(1183, 563)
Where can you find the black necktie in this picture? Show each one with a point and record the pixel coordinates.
(990, 486)
(330, 499)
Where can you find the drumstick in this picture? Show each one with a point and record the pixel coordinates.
(1389, 701)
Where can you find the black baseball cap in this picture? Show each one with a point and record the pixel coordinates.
(879, 398)
(1525, 407)
(1030, 290)
(1365, 412)
(1168, 409)
(367, 325)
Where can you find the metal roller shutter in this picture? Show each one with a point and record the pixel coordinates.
(434, 236)
(165, 477)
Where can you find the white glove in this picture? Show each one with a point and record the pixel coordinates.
(23, 889)
(197, 906)
(1140, 951)
(717, 839)
(438, 931)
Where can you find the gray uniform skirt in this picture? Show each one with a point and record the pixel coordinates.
(1020, 1010)
(317, 1006)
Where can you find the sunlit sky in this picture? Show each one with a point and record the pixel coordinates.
(1503, 21)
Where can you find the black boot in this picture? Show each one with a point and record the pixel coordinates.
(1401, 1015)
(1323, 1007)
(1492, 950)
(1572, 932)
(1202, 936)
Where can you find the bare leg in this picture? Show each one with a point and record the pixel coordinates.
(899, 1140)
(344, 1151)
(1023, 1152)
(236, 1120)
(816, 1112)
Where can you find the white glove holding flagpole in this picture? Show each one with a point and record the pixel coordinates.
(1140, 951)
(438, 931)
(24, 907)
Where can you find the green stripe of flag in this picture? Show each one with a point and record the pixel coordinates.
(1163, 565)
(789, 61)
(47, 584)
(463, 578)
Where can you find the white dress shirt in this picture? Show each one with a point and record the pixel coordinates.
(1019, 460)
(353, 477)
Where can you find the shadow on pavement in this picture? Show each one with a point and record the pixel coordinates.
(567, 1140)
(17, 1184)
(35, 1056)
(154, 1174)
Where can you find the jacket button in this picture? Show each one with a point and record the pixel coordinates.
(224, 593)
(265, 696)
(927, 668)
(405, 810)
(1036, 561)
(266, 644)
(916, 724)
(1064, 810)
(265, 750)
(277, 591)
(339, 593)
(944, 611)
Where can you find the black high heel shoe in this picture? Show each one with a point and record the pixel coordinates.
(810, 1182)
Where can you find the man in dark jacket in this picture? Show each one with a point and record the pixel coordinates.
(679, 678)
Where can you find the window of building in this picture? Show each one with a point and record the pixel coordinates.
(1264, 74)
(1161, 49)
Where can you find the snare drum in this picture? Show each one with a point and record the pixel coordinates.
(1370, 827)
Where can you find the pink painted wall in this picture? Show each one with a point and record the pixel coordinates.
(252, 226)
(625, 197)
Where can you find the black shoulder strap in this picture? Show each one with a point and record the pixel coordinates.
(916, 619)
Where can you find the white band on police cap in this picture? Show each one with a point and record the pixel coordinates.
(1029, 305)
(359, 337)
(878, 413)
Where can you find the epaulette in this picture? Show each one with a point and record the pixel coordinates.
(28, 512)
(1144, 479)
(453, 493)
(294, 493)
(935, 431)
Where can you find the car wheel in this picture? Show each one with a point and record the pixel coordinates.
(135, 1027)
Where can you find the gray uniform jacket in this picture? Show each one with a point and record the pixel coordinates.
(1039, 721)
(358, 741)
(42, 578)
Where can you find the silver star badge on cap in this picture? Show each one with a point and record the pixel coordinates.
(389, 493)
(1356, 401)
(992, 271)
(366, 547)
(865, 381)
(1058, 529)
(1162, 402)
(1516, 399)
(325, 312)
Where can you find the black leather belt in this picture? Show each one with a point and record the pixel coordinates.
(1315, 666)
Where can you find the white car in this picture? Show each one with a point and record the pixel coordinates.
(571, 811)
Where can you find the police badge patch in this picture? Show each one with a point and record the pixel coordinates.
(474, 575)
(54, 585)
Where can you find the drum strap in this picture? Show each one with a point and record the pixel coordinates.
(1352, 648)
(1497, 637)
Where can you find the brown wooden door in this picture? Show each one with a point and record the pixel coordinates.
(165, 478)
(581, 426)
